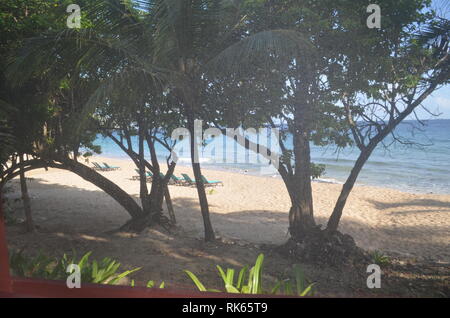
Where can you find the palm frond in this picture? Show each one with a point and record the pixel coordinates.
(262, 47)
(436, 34)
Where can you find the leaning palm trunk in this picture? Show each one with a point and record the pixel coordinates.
(88, 174)
(301, 216)
(209, 231)
(109, 187)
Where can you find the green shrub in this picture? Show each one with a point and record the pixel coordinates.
(42, 266)
(250, 281)
(151, 284)
(379, 258)
(297, 287)
(317, 170)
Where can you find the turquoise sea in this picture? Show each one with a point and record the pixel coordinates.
(423, 168)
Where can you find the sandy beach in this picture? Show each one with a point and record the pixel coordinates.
(251, 209)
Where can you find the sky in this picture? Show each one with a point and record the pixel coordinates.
(437, 103)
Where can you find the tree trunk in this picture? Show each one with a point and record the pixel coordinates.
(189, 95)
(90, 175)
(144, 195)
(169, 206)
(209, 231)
(301, 216)
(26, 199)
(333, 221)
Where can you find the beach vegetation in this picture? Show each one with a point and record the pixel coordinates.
(105, 271)
(250, 281)
(380, 258)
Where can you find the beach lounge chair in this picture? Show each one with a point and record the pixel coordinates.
(136, 177)
(212, 183)
(171, 180)
(162, 176)
(178, 181)
(148, 174)
(188, 179)
(97, 166)
(110, 167)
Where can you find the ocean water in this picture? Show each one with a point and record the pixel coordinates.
(423, 168)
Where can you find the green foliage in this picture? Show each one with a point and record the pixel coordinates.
(42, 266)
(151, 284)
(299, 286)
(379, 258)
(317, 170)
(250, 282)
(38, 266)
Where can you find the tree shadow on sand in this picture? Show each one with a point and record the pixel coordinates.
(80, 219)
(430, 205)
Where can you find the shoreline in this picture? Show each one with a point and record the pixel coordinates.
(323, 179)
(250, 209)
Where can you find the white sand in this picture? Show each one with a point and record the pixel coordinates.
(252, 209)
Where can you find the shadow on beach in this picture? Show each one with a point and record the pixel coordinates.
(79, 219)
(430, 205)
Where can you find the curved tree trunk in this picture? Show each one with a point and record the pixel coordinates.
(333, 221)
(88, 174)
(26, 199)
(109, 187)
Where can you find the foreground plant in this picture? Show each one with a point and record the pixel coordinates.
(379, 258)
(298, 287)
(42, 266)
(250, 282)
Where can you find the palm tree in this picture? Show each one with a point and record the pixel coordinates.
(191, 38)
(176, 43)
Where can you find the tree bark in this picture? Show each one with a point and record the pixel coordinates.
(209, 231)
(88, 174)
(26, 199)
(144, 195)
(169, 206)
(333, 221)
(301, 215)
